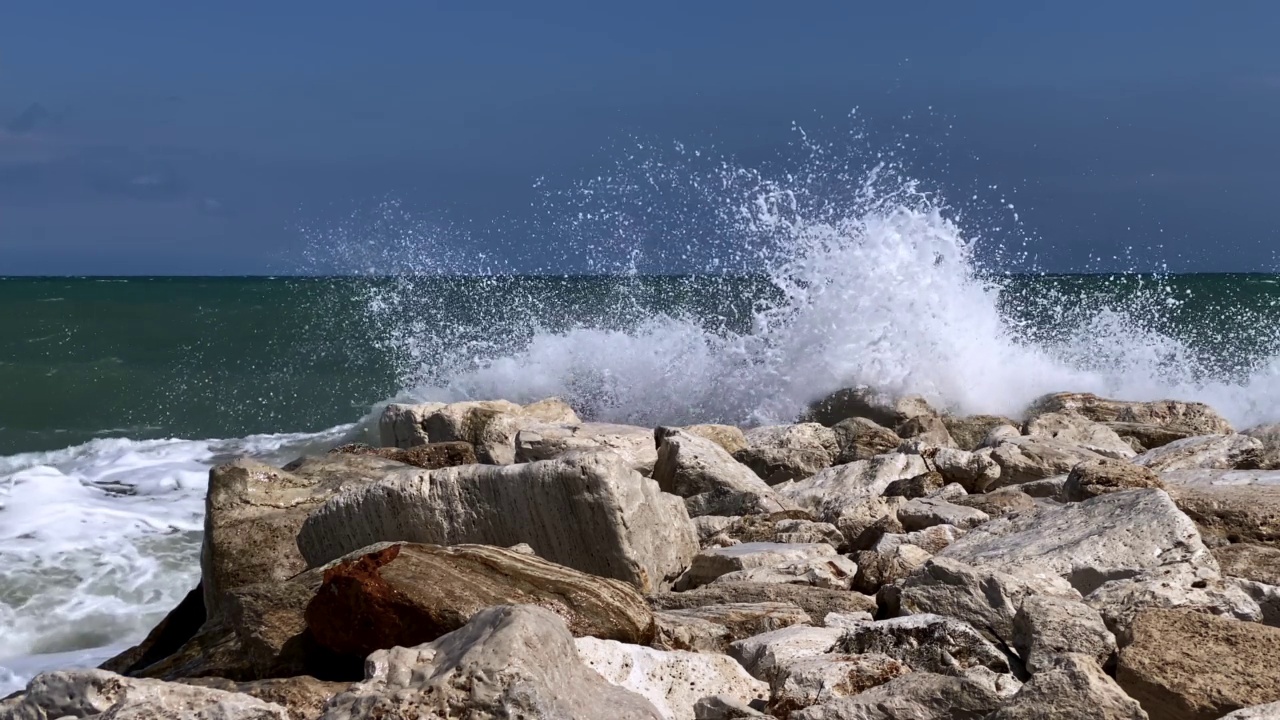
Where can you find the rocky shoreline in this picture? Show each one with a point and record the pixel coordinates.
(880, 560)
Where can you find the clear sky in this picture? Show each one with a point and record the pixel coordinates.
(162, 137)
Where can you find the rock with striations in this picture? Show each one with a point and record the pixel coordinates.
(833, 572)
(715, 562)
(711, 628)
(1229, 505)
(1027, 459)
(303, 697)
(864, 402)
(1197, 418)
(1181, 585)
(709, 479)
(492, 425)
(862, 439)
(1204, 452)
(672, 680)
(1070, 687)
(970, 431)
(1075, 429)
(816, 602)
(1092, 478)
(590, 512)
(778, 453)
(1110, 537)
(844, 488)
(403, 425)
(406, 594)
(915, 696)
(102, 694)
(1187, 665)
(508, 661)
(546, 441)
(924, 512)
(428, 456)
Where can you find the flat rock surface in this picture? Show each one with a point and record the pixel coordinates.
(817, 602)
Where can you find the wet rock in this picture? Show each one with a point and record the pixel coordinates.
(1181, 585)
(1197, 418)
(1097, 477)
(102, 694)
(589, 512)
(1078, 430)
(970, 431)
(927, 429)
(999, 503)
(406, 595)
(1249, 561)
(1047, 627)
(915, 696)
(923, 513)
(709, 479)
(508, 661)
(843, 488)
(1110, 537)
(1070, 687)
(547, 441)
(1186, 665)
(862, 439)
(1206, 452)
(1025, 459)
(778, 453)
(866, 403)
(1229, 506)
(673, 681)
(879, 568)
(730, 621)
(816, 602)
(712, 563)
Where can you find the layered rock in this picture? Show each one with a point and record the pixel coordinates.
(1026, 459)
(544, 441)
(709, 479)
(1193, 417)
(1206, 452)
(778, 453)
(590, 512)
(711, 564)
(915, 696)
(1229, 506)
(843, 488)
(1078, 430)
(817, 602)
(1092, 478)
(102, 694)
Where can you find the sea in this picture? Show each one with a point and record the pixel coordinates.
(117, 394)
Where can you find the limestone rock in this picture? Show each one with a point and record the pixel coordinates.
(406, 594)
(834, 572)
(253, 512)
(929, 643)
(1270, 711)
(1180, 585)
(508, 661)
(825, 678)
(491, 426)
(768, 655)
(723, 707)
(1097, 477)
(589, 512)
(729, 437)
(842, 488)
(1269, 436)
(879, 568)
(403, 426)
(928, 429)
(783, 527)
(1050, 488)
(915, 696)
(999, 503)
(863, 525)
(862, 439)
(428, 456)
(547, 441)
(683, 632)
(1185, 665)
(1197, 418)
(932, 539)
(102, 694)
(974, 471)
(1047, 627)
(816, 602)
(1229, 505)
(778, 453)
(998, 435)
(1142, 437)
(915, 487)
(970, 431)
(1025, 459)
(712, 563)
(1078, 430)
(1249, 561)
(709, 479)
(923, 513)
(950, 492)
(1266, 596)
(303, 697)
(864, 402)
(729, 622)
(673, 681)
(1205, 452)
(1110, 537)
(1070, 687)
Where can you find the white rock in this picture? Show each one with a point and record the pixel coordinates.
(915, 696)
(1205, 452)
(101, 694)
(825, 678)
(1110, 537)
(932, 539)
(672, 680)
(589, 512)
(709, 479)
(544, 441)
(923, 513)
(834, 572)
(1079, 430)
(1270, 711)
(714, 562)
(491, 425)
(1025, 459)
(778, 453)
(832, 492)
(767, 656)
(404, 426)
(1180, 585)
(509, 661)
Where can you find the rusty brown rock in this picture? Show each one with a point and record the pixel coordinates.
(1249, 561)
(408, 594)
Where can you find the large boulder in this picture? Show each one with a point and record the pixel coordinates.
(880, 567)
(827, 678)
(1048, 627)
(1187, 665)
(1075, 429)
(915, 696)
(729, 437)
(406, 594)
(545, 441)
(1071, 687)
(428, 456)
(715, 562)
(673, 680)
(102, 694)
(1270, 711)
(709, 479)
(1204, 452)
(253, 513)
(1092, 478)
(862, 439)
(1197, 418)
(865, 402)
(928, 430)
(1229, 505)
(508, 661)
(976, 472)
(403, 425)
(783, 527)
(778, 453)
(768, 655)
(837, 490)
(927, 512)
(970, 431)
(1143, 437)
(1112, 536)
(492, 425)
(1026, 459)
(1180, 585)
(999, 503)
(590, 512)
(1269, 436)
(929, 643)
(1249, 561)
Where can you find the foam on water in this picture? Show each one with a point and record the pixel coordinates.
(98, 542)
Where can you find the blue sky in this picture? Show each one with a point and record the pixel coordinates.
(158, 137)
